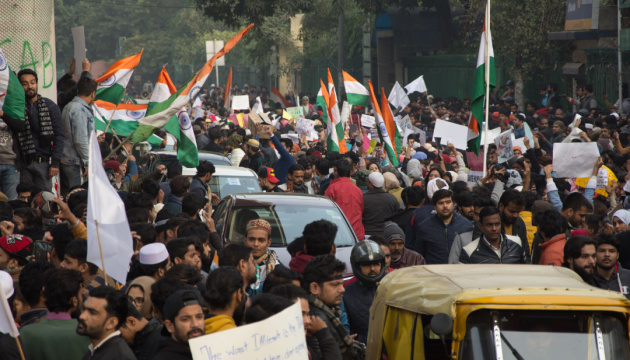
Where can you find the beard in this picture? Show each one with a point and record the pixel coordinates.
(31, 94)
(587, 277)
(507, 220)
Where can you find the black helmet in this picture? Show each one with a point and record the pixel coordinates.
(367, 252)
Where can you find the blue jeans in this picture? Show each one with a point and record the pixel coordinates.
(9, 180)
(72, 173)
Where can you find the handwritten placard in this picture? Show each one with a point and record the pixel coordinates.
(474, 176)
(451, 133)
(574, 159)
(305, 127)
(368, 121)
(295, 112)
(278, 337)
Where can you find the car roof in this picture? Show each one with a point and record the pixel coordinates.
(203, 155)
(223, 170)
(281, 199)
(431, 289)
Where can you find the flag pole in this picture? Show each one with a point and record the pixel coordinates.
(100, 248)
(19, 345)
(487, 97)
(110, 119)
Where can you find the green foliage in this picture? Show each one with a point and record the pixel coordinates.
(523, 36)
(234, 13)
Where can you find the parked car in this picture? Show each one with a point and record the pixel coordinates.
(228, 180)
(166, 156)
(288, 214)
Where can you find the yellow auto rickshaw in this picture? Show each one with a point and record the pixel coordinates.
(499, 312)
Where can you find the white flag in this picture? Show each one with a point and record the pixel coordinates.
(417, 85)
(7, 325)
(106, 207)
(398, 97)
(258, 107)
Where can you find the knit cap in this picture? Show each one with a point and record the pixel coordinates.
(391, 231)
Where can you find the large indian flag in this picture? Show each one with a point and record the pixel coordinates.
(111, 86)
(485, 74)
(334, 114)
(332, 141)
(322, 102)
(356, 93)
(159, 115)
(386, 140)
(124, 118)
(179, 125)
(12, 99)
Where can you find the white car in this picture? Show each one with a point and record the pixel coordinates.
(228, 180)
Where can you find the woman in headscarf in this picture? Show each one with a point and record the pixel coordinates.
(139, 294)
(392, 186)
(621, 219)
(414, 170)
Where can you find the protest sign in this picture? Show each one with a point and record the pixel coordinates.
(295, 112)
(520, 143)
(265, 118)
(473, 177)
(305, 127)
(574, 159)
(278, 337)
(345, 112)
(605, 178)
(293, 137)
(197, 112)
(504, 146)
(240, 102)
(367, 121)
(255, 117)
(529, 134)
(491, 135)
(78, 36)
(451, 133)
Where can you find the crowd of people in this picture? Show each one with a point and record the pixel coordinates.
(185, 282)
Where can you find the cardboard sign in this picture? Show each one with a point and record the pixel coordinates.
(368, 121)
(451, 133)
(505, 150)
(474, 176)
(605, 178)
(295, 112)
(80, 52)
(240, 102)
(255, 117)
(574, 160)
(265, 118)
(278, 337)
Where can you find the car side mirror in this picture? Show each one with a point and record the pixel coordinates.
(442, 324)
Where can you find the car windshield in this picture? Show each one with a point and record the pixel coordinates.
(288, 222)
(541, 335)
(227, 185)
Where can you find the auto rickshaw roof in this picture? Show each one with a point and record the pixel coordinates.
(431, 289)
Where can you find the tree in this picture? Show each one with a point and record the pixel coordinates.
(519, 28)
(234, 13)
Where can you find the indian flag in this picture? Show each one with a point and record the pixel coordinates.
(333, 112)
(228, 90)
(382, 128)
(356, 93)
(162, 112)
(277, 97)
(484, 75)
(111, 86)
(321, 101)
(390, 124)
(12, 99)
(124, 118)
(332, 141)
(179, 124)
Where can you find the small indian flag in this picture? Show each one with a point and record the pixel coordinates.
(382, 128)
(111, 86)
(356, 93)
(12, 99)
(333, 112)
(277, 97)
(321, 101)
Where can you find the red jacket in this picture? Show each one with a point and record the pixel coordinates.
(350, 199)
(552, 251)
(298, 263)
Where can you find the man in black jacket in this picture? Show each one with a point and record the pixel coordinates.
(512, 202)
(41, 142)
(103, 313)
(493, 247)
(609, 275)
(183, 304)
(378, 205)
(141, 334)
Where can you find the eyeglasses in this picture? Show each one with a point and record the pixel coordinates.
(136, 301)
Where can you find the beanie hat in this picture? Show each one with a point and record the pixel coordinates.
(235, 140)
(17, 245)
(362, 177)
(391, 231)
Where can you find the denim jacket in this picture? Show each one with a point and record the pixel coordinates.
(78, 120)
